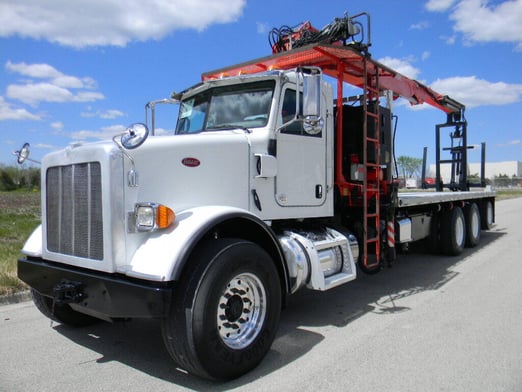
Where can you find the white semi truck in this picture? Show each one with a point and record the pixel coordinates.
(272, 181)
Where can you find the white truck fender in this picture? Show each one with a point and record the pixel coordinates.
(33, 245)
(162, 256)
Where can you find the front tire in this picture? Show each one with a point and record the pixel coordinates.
(225, 314)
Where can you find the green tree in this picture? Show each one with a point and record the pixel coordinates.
(15, 177)
(6, 181)
(33, 177)
(409, 166)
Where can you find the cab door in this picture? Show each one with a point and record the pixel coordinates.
(301, 159)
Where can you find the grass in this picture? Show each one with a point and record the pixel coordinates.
(508, 193)
(19, 216)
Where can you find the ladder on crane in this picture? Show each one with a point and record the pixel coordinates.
(372, 169)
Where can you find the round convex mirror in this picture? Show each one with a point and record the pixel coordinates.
(23, 154)
(134, 136)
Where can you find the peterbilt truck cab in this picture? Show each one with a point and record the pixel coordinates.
(207, 226)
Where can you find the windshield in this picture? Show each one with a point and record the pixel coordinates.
(237, 106)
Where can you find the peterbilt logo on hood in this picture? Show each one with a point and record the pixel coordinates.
(191, 162)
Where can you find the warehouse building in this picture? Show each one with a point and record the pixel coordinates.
(493, 169)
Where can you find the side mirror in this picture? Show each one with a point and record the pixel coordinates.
(23, 154)
(310, 111)
(134, 136)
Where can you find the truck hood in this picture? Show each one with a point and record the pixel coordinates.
(186, 171)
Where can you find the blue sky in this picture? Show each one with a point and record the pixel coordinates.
(84, 69)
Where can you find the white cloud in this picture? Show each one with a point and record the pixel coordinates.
(481, 23)
(107, 133)
(510, 143)
(402, 66)
(425, 55)
(9, 112)
(111, 114)
(104, 133)
(474, 92)
(104, 114)
(57, 125)
(89, 114)
(439, 5)
(420, 26)
(87, 96)
(449, 40)
(46, 146)
(82, 23)
(46, 71)
(34, 93)
(262, 28)
(40, 71)
(163, 131)
(53, 85)
(74, 82)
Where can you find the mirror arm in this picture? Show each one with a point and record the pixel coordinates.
(299, 82)
(132, 175)
(151, 105)
(23, 155)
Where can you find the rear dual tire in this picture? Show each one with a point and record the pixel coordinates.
(459, 228)
(487, 215)
(473, 225)
(452, 232)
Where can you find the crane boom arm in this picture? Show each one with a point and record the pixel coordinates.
(344, 63)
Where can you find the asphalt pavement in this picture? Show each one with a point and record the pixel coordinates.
(430, 323)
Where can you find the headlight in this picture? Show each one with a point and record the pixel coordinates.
(153, 216)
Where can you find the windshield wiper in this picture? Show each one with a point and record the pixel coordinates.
(229, 126)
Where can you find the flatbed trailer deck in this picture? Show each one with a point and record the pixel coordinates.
(412, 199)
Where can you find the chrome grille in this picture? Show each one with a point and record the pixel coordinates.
(74, 210)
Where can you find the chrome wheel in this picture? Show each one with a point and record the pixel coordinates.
(225, 314)
(241, 311)
(472, 218)
(459, 231)
(487, 214)
(453, 231)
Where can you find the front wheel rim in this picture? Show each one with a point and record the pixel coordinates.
(241, 311)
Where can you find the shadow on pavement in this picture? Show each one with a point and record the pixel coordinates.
(138, 343)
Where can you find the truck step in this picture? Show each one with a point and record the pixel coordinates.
(330, 257)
